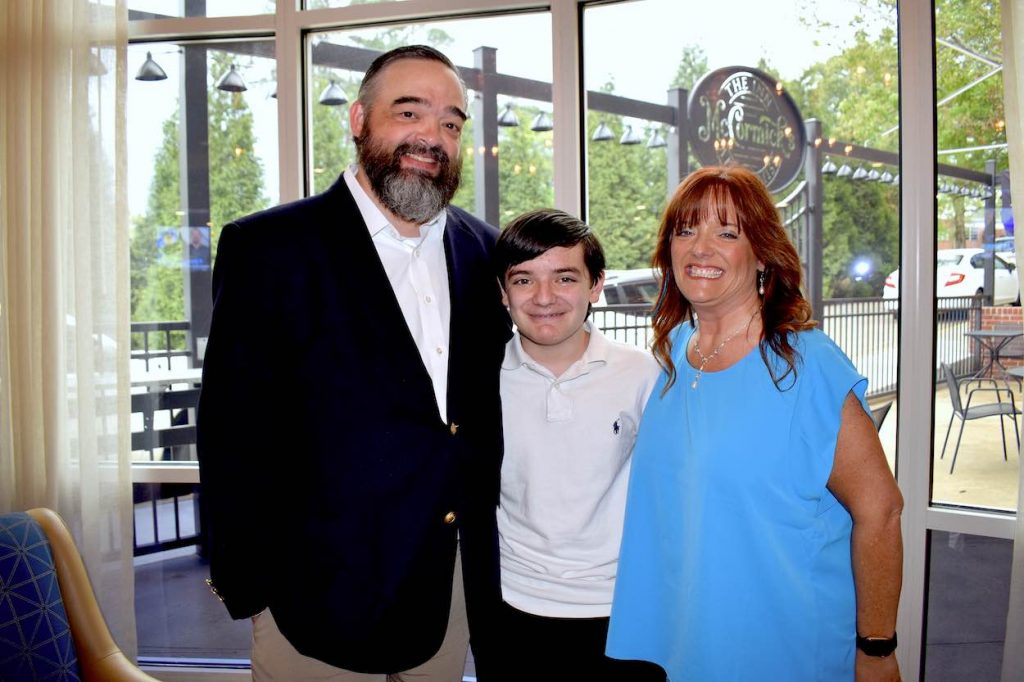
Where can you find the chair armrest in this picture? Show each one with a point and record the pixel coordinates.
(117, 668)
(981, 381)
(98, 654)
(997, 391)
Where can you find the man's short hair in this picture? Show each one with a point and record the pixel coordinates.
(534, 233)
(368, 88)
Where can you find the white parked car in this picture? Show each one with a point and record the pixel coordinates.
(627, 287)
(633, 287)
(1004, 246)
(960, 272)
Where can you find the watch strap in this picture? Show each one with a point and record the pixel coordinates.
(877, 646)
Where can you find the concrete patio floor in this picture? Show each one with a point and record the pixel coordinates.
(981, 477)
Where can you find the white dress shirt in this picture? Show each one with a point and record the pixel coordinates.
(418, 272)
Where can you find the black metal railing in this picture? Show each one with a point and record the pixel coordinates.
(159, 342)
(166, 409)
(868, 332)
(166, 515)
(867, 329)
(627, 323)
(167, 438)
(958, 315)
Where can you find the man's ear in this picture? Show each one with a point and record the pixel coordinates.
(356, 118)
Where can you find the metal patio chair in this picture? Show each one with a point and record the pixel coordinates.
(878, 414)
(967, 411)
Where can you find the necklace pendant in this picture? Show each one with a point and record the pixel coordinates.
(694, 384)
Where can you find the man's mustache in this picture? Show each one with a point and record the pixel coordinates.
(432, 152)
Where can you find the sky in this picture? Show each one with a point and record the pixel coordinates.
(635, 44)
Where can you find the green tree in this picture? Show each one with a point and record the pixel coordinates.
(969, 94)
(974, 116)
(236, 173)
(156, 249)
(861, 223)
(465, 197)
(969, 86)
(333, 149)
(693, 63)
(627, 191)
(525, 168)
(236, 188)
(855, 94)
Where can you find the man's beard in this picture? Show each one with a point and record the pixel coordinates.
(408, 193)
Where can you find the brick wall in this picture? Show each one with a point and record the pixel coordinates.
(1006, 317)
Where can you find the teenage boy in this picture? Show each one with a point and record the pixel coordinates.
(571, 402)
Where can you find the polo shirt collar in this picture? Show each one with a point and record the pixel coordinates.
(595, 353)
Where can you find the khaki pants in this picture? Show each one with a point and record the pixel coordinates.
(274, 659)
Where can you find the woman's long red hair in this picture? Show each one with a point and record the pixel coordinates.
(784, 310)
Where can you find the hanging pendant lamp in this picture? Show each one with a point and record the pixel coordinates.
(150, 70)
(231, 81)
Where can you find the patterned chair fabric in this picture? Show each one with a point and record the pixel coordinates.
(35, 640)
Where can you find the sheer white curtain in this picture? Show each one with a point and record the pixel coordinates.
(1013, 96)
(64, 315)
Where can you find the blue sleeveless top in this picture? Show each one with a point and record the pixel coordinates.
(735, 561)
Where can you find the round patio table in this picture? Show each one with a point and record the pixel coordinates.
(993, 340)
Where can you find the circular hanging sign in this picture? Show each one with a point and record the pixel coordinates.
(742, 116)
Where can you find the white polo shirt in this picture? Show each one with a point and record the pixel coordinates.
(418, 272)
(568, 442)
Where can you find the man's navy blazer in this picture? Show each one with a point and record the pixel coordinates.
(332, 491)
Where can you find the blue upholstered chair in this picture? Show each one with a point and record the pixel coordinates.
(51, 627)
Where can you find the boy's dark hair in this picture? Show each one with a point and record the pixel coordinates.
(535, 232)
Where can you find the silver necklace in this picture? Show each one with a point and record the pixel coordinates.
(705, 359)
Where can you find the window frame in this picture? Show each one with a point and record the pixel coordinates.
(289, 25)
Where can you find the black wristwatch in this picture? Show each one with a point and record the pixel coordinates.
(877, 646)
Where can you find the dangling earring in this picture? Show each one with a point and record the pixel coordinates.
(760, 282)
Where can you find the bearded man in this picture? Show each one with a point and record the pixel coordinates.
(349, 424)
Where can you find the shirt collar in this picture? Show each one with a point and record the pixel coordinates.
(374, 218)
(596, 352)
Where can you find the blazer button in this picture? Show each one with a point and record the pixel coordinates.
(453, 428)
(449, 518)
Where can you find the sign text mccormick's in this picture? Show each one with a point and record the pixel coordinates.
(743, 116)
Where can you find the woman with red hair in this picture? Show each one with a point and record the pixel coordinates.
(762, 537)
